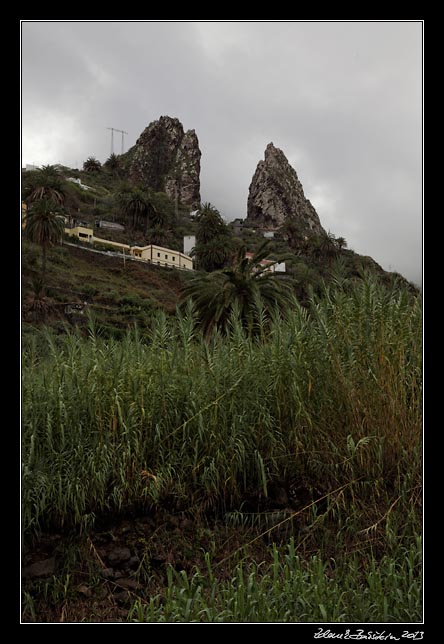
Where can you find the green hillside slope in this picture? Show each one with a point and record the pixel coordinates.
(118, 293)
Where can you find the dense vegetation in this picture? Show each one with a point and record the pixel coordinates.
(105, 193)
(152, 217)
(308, 430)
(118, 293)
(293, 589)
(254, 437)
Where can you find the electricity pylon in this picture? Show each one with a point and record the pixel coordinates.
(113, 129)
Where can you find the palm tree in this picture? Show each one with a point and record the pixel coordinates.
(136, 204)
(38, 306)
(159, 236)
(248, 288)
(214, 239)
(341, 242)
(46, 183)
(113, 164)
(323, 247)
(210, 223)
(92, 165)
(213, 255)
(44, 226)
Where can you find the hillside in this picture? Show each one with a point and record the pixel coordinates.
(118, 294)
(104, 194)
(150, 191)
(221, 464)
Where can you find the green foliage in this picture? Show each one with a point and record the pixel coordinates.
(326, 403)
(323, 248)
(214, 240)
(44, 226)
(113, 165)
(326, 398)
(44, 222)
(294, 233)
(248, 289)
(136, 206)
(92, 165)
(46, 184)
(163, 209)
(291, 589)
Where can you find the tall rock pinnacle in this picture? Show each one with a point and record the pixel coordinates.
(276, 195)
(167, 159)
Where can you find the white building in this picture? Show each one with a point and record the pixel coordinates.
(269, 264)
(79, 183)
(113, 225)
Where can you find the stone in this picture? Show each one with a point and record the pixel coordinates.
(133, 562)
(107, 573)
(122, 597)
(84, 590)
(131, 584)
(44, 568)
(119, 555)
(276, 195)
(166, 159)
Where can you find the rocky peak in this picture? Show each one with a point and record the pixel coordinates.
(167, 159)
(276, 195)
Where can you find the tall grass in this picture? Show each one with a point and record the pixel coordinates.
(326, 402)
(290, 589)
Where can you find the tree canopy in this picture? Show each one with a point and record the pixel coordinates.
(92, 165)
(45, 183)
(44, 226)
(248, 288)
(214, 240)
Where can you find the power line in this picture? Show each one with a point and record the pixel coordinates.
(113, 129)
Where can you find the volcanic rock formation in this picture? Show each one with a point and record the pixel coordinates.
(276, 195)
(167, 159)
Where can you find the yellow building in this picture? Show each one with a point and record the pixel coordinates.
(81, 232)
(152, 254)
(160, 256)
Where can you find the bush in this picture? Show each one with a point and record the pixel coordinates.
(311, 433)
(330, 399)
(89, 291)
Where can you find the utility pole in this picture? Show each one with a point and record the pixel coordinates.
(112, 138)
(113, 129)
(123, 133)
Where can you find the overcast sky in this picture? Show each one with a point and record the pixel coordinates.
(343, 100)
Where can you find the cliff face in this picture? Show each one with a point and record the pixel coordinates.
(167, 159)
(276, 195)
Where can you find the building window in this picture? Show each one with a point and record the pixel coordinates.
(174, 259)
(166, 256)
(83, 235)
(158, 255)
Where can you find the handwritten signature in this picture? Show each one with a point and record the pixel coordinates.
(360, 634)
